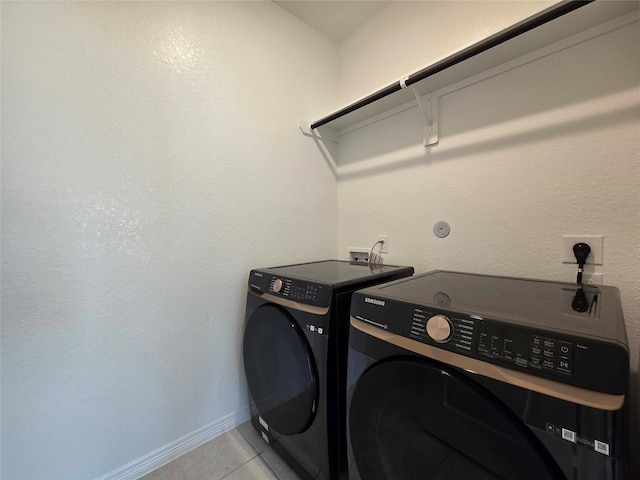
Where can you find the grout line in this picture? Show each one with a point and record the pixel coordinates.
(255, 451)
(248, 441)
(235, 469)
(269, 467)
(257, 455)
(248, 461)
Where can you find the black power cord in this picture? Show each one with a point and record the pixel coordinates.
(581, 252)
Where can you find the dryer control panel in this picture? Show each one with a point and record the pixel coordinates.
(526, 349)
(295, 290)
(584, 361)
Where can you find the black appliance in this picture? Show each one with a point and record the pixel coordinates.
(461, 376)
(295, 345)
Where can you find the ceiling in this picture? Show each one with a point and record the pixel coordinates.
(335, 19)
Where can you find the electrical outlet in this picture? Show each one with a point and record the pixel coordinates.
(384, 248)
(359, 256)
(595, 242)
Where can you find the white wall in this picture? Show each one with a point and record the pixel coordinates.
(547, 149)
(150, 158)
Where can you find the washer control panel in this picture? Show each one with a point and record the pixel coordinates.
(295, 290)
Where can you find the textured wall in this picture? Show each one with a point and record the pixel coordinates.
(150, 157)
(547, 149)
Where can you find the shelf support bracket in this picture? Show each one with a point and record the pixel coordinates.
(320, 133)
(428, 104)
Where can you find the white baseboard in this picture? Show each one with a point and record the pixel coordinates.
(163, 455)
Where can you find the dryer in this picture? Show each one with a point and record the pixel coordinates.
(294, 352)
(462, 376)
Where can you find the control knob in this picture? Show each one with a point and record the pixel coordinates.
(277, 285)
(439, 328)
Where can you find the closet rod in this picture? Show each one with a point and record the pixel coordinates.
(494, 40)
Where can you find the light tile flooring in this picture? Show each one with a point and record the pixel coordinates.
(240, 454)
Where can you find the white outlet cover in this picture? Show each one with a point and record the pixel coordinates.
(592, 278)
(385, 246)
(362, 254)
(596, 242)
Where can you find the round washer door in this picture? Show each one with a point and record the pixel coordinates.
(411, 419)
(280, 369)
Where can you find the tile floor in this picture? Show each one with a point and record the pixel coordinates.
(240, 454)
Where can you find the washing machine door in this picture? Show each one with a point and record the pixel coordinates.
(412, 419)
(280, 369)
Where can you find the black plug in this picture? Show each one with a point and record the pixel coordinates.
(580, 302)
(581, 252)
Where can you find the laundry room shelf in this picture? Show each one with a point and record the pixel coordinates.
(551, 25)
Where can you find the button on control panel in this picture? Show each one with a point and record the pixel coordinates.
(306, 292)
(527, 350)
(439, 328)
(551, 354)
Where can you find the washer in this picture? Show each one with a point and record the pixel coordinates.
(295, 344)
(463, 376)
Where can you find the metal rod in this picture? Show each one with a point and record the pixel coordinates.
(494, 40)
(519, 28)
(363, 102)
